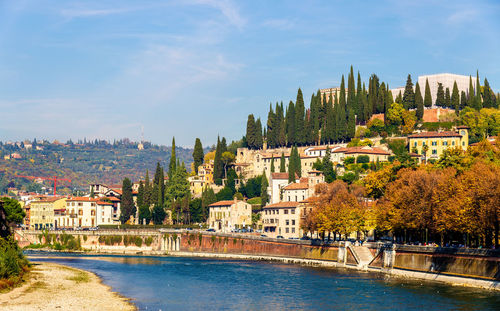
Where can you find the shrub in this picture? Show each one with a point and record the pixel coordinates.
(85, 238)
(363, 159)
(149, 241)
(12, 260)
(348, 160)
(200, 237)
(138, 241)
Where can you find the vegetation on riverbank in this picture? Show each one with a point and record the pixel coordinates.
(13, 264)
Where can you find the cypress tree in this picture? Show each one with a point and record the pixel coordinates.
(264, 195)
(488, 95)
(299, 119)
(463, 100)
(455, 98)
(140, 194)
(381, 98)
(127, 207)
(427, 96)
(328, 170)
(282, 163)
(470, 94)
(447, 98)
(282, 131)
(342, 112)
(271, 128)
(223, 145)
(161, 189)
(218, 167)
(258, 135)
(359, 101)
(351, 92)
(272, 164)
(419, 102)
(298, 165)
(399, 98)
(173, 161)
(147, 190)
(251, 132)
(440, 101)
(290, 124)
(351, 124)
(314, 119)
(291, 165)
(479, 103)
(197, 154)
(409, 96)
(373, 87)
(367, 113)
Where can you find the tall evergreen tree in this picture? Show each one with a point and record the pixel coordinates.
(173, 161)
(147, 190)
(359, 101)
(251, 132)
(419, 102)
(197, 155)
(489, 100)
(271, 128)
(478, 101)
(427, 96)
(294, 165)
(223, 144)
(258, 135)
(264, 195)
(140, 194)
(327, 165)
(373, 86)
(282, 163)
(409, 96)
(351, 92)
(127, 207)
(463, 100)
(272, 164)
(342, 113)
(161, 189)
(351, 124)
(440, 101)
(367, 110)
(447, 98)
(299, 119)
(290, 124)
(470, 95)
(282, 126)
(455, 98)
(218, 166)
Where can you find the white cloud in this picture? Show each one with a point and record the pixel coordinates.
(227, 8)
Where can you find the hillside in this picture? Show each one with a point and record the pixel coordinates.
(83, 163)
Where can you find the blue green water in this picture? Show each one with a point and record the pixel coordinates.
(171, 283)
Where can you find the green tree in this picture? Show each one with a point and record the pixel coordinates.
(327, 167)
(455, 98)
(251, 132)
(427, 96)
(419, 102)
(477, 99)
(144, 214)
(282, 163)
(408, 95)
(264, 195)
(290, 124)
(140, 194)
(227, 158)
(272, 164)
(197, 155)
(447, 99)
(173, 160)
(440, 101)
(218, 165)
(127, 207)
(14, 211)
(158, 214)
(300, 137)
(258, 135)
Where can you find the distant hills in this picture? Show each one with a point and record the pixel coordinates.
(83, 162)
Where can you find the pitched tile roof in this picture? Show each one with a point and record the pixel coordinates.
(435, 135)
(84, 199)
(366, 150)
(223, 203)
(297, 186)
(282, 205)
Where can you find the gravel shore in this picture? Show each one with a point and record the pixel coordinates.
(57, 287)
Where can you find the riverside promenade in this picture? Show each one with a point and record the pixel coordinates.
(467, 267)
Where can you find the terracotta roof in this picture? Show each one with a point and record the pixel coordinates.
(297, 186)
(223, 203)
(282, 205)
(304, 180)
(279, 175)
(47, 200)
(104, 203)
(435, 134)
(84, 199)
(115, 199)
(306, 201)
(463, 127)
(321, 148)
(366, 150)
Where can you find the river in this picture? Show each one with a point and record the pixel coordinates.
(176, 283)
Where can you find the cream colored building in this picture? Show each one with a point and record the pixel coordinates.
(437, 142)
(42, 212)
(226, 216)
(282, 219)
(85, 212)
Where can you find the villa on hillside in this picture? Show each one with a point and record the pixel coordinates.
(437, 142)
(226, 216)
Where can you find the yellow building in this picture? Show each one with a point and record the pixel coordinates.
(42, 212)
(226, 216)
(282, 219)
(437, 142)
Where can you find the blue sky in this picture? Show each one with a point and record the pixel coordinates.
(197, 68)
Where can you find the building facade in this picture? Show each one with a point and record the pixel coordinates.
(226, 216)
(42, 212)
(281, 219)
(437, 142)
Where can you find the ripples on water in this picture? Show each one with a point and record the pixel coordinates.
(171, 283)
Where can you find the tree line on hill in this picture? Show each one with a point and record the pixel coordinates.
(332, 119)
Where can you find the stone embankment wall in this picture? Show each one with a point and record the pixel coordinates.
(459, 266)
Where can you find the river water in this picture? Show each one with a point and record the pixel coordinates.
(175, 283)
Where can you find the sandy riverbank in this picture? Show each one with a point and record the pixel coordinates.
(56, 287)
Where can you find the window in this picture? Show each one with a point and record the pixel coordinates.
(292, 211)
(286, 230)
(423, 143)
(80, 212)
(434, 151)
(286, 212)
(415, 144)
(463, 143)
(287, 222)
(445, 143)
(293, 230)
(80, 204)
(434, 143)
(453, 143)
(293, 222)
(92, 213)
